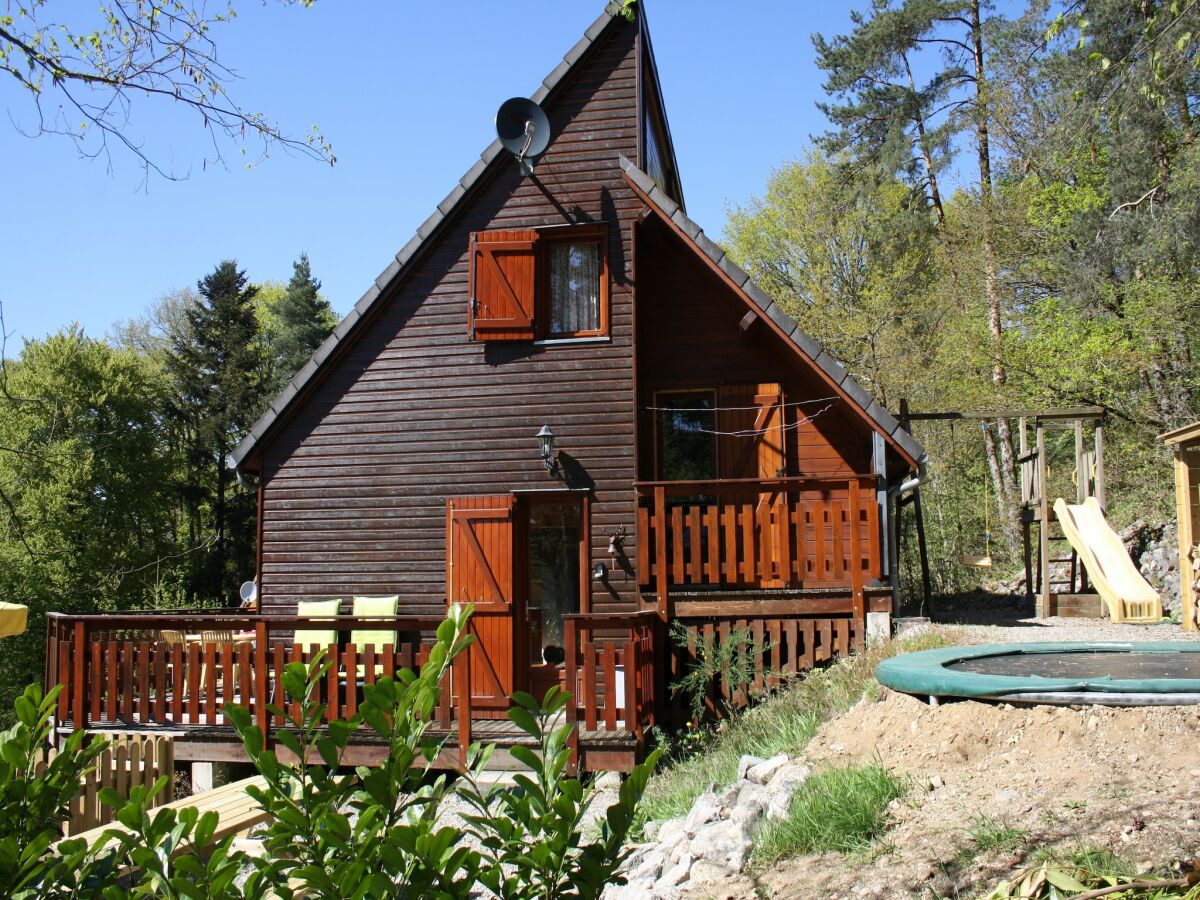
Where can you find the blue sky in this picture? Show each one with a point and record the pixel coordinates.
(406, 93)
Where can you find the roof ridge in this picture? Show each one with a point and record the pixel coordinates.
(299, 381)
(802, 341)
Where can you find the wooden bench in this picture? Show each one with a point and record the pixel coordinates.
(237, 811)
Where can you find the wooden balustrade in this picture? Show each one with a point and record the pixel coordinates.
(611, 675)
(776, 647)
(122, 670)
(757, 533)
(118, 671)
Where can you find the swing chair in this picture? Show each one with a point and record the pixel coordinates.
(969, 560)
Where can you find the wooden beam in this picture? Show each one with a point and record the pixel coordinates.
(1075, 412)
(748, 321)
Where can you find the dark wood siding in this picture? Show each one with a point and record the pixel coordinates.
(689, 337)
(355, 484)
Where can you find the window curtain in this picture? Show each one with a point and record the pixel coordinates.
(574, 287)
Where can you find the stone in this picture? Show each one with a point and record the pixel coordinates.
(726, 843)
(674, 876)
(750, 804)
(779, 807)
(706, 809)
(651, 829)
(670, 833)
(608, 781)
(790, 777)
(705, 873)
(936, 782)
(746, 763)
(764, 771)
(650, 867)
(1005, 796)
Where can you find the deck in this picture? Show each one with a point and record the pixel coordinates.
(174, 672)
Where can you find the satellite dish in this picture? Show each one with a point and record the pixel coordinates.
(248, 592)
(524, 131)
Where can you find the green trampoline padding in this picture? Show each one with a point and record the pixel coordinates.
(998, 670)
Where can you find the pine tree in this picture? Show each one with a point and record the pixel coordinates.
(305, 319)
(215, 365)
(890, 121)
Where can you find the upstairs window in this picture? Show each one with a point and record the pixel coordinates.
(530, 285)
(687, 447)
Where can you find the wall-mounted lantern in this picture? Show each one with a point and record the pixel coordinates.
(599, 572)
(546, 446)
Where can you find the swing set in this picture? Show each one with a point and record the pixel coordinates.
(1036, 511)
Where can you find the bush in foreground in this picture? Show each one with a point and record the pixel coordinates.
(333, 834)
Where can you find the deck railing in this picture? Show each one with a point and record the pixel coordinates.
(744, 534)
(120, 670)
(611, 674)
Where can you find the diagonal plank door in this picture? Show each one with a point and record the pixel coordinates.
(479, 556)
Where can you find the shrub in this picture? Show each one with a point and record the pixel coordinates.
(372, 832)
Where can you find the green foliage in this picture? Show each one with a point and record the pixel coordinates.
(988, 833)
(33, 804)
(294, 321)
(531, 830)
(215, 364)
(732, 660)
(333, 832)
(85, 474)
(837, 809)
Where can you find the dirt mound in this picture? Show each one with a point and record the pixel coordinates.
(1123, 779)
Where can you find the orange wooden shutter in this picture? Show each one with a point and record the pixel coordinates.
(479, 555)
(751, 419)
(503, 285)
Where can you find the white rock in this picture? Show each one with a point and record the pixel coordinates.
(751, 801)
(746, 763)
(608, 781)
(649, 868)
(651, 829)
(705, 873)
(790, 777)
(670, 833)
(725, 843)
(779, 806)
(764, 771)
(706, 809)
(676, 875)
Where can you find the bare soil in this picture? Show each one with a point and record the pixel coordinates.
(1123, 779)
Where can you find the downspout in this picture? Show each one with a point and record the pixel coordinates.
(894, 493)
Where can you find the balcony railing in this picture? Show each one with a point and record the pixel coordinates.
(177, 670)
(741, 534)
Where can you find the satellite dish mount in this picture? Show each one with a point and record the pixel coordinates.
(524, 131)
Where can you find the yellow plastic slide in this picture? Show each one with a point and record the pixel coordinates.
(1129, 597)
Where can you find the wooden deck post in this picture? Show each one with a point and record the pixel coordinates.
(261, 681)
(79, 676)
(571, 685)
(462, 678)
(856, 574)
(660, 547)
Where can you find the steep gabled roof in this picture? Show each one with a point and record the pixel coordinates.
(758, 301)
(408, 254)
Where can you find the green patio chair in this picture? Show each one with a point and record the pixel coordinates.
(374, 637)
(317, 609)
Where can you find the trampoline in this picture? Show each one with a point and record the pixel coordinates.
(1112, 674)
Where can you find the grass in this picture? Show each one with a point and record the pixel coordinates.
(783, 723)
(837, 809)
(989, 833)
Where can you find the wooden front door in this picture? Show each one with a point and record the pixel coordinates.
(479, 557)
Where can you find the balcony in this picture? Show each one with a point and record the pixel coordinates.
(780, 535)
(175, 671)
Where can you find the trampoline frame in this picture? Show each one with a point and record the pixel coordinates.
(926, 673)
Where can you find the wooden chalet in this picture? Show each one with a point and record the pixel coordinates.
(711, 465)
